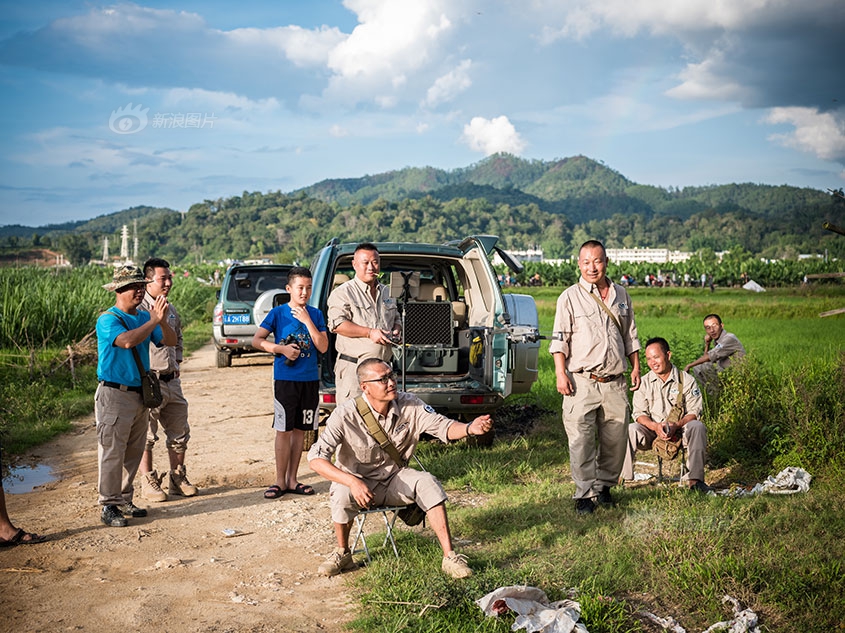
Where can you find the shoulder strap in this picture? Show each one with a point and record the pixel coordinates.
(135, 354)
(605, 308)
(374, 429)
(680, 401)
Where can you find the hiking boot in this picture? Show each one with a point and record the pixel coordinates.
(131, 510)
(338, 561)
(455, 565)
(151, 486)
(584, 506)
(604, 499)
(700, 486)
(112, 517)
(179, 484)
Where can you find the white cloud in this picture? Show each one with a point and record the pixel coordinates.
(303, 47)
(709, 79)
(338, 131)
(448, 86)
(492, 135)
(819, 133)
(390, 49)
(217, 101)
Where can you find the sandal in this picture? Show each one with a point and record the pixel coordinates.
(273, 492)
(23, 537)
(301, 489)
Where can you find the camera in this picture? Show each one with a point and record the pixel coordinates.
(291, 339)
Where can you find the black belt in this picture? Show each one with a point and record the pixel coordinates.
(348, 359)
(117, 385)
(167, 377)
(604, 378)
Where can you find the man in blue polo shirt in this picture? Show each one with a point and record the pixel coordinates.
(119, 410)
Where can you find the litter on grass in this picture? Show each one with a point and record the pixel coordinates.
(744, 621)
(786, 482)
(533, 611)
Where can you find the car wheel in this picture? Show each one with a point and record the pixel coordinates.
(224, 358)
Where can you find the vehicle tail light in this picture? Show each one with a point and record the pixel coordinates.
(217, 319)
(329, 398)
(472, 399)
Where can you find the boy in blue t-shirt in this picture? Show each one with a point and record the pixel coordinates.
(300, 332)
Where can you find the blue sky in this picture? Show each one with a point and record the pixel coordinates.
(108, 106)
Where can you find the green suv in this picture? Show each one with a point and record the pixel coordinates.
(247, 294)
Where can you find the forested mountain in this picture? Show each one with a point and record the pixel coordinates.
(554, 205)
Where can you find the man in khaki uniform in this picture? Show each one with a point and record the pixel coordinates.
(172, 415)
(594, 333)
(725, 349)
(364, 316)
(364, 475)
(653, 401)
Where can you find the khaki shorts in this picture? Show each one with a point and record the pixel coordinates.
(406, 486)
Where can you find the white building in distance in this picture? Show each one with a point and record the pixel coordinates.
(646, 255)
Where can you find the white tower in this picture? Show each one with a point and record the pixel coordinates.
(106, 249)
(124, 243)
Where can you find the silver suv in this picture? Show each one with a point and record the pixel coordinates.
(466, 345)
(247, 294)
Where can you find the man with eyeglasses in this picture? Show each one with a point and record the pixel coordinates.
(118, 407)
(364, 475)
(365, 319)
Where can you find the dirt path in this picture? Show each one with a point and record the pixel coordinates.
(175, 570)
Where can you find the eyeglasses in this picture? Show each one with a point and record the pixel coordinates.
(384, 379)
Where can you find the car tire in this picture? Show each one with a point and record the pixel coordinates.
(224, 358)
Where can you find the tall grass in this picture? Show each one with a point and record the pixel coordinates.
(42, 312)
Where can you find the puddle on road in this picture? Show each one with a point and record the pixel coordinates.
(25, 478)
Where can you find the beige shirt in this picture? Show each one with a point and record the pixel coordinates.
(353, 302)
(727, 345)
(587, 336)
(359, 454)
(655, 397)
(165, 359)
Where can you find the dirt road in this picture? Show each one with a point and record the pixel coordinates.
(176, 571)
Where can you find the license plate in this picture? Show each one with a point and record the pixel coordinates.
(236, 319)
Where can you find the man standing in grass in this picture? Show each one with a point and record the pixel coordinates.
(121, 416)
(300, 333)
(365, 475)
(364, 316)
(664, 387)
(721, 348)
(594, 333)
(172, 415)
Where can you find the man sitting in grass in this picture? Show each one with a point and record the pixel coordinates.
(660, 390)
(364, 474)
(725, 349)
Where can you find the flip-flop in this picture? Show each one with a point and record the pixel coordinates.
(20, 538)
(301, 489)
(273, 492)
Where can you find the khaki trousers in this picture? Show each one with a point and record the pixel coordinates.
(595, 419)
(694, 438)
(122, 422)
(172, 417)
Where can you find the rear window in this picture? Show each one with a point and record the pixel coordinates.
(248, 284)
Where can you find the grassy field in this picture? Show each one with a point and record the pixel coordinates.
(662, 549)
